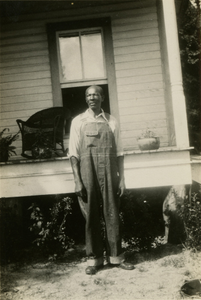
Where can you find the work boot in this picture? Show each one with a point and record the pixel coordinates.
(91, 270)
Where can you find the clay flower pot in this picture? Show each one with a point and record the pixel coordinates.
(4, 155)
(149, 143)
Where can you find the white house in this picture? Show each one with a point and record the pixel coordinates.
(133, 48)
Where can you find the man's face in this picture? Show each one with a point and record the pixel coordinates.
(94, 99)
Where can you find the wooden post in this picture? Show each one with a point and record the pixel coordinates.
(177, 94)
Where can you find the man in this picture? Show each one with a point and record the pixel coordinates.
(97, 161)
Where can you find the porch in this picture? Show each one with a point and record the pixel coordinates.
(155, 168)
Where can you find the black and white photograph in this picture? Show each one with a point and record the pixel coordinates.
(100, 150)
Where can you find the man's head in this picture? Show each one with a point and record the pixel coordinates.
(94, 97)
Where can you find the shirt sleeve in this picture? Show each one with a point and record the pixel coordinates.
(118, 139)
(74, 141)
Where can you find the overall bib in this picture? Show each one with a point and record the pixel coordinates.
(99, 173)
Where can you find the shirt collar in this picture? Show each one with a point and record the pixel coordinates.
(89, 115)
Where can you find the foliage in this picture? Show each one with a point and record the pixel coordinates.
(5, 144)
(11, 238)
(189, 37)
(191, 215)
(139, 225)
(43, 146)
(147, 133)
(51, 231)
(42, 138)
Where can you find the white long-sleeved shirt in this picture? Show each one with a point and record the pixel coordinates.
(87, 116)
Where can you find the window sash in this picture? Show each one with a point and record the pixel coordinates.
(85, 70)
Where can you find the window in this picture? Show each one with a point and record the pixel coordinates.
(81, 54)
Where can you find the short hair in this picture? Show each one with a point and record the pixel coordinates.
(99, 88)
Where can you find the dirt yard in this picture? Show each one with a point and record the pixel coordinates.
(158, 274)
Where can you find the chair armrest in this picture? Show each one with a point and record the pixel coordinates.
(20, 123)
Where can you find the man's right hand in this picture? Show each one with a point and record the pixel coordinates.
(80, 191)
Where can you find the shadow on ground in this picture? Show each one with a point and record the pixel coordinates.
(42, 268)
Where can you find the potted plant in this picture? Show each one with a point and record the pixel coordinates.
(148, 140)
(43, 145)
(6, 150)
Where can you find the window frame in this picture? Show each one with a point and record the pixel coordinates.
(83, 81)
(105, 24)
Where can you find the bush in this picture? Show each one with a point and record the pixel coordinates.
(11, 229)
(139, 225)
(51, 230)
(191, 215)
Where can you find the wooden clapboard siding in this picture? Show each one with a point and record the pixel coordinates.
(9, 123)
(24, 106)
(131, 50)
(80, 9)
(141, 102)
(26, 91)
(139, 87)
(22, 40)
(25, 74)
(147, 116)
(136, 65)
(24, 32)
(137, 132)
(138, 72)
(139, 15)
(23, 69)
(21, 114)
(134, 27)
(139, 79)
(33, 61)
(21, 25)
(139, 75)
(28, 83)
(137, 41)
(126, 111)
(105, 10)
(29, 57)
(28, 99)
(140, 124)
(137, 56)
(35, 46)
(141, 94)
(135, 34)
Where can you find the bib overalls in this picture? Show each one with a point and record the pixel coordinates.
(99, 173)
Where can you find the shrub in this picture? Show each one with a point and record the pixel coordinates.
(139, 227)
(11, 229)
(191, 215)
(51, 230)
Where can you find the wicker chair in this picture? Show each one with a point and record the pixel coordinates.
(49, 121)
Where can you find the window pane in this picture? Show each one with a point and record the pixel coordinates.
(92, 51)
(70, 58)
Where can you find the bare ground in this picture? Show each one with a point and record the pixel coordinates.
(158, 274)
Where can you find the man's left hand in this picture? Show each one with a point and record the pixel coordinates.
(122, 188)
